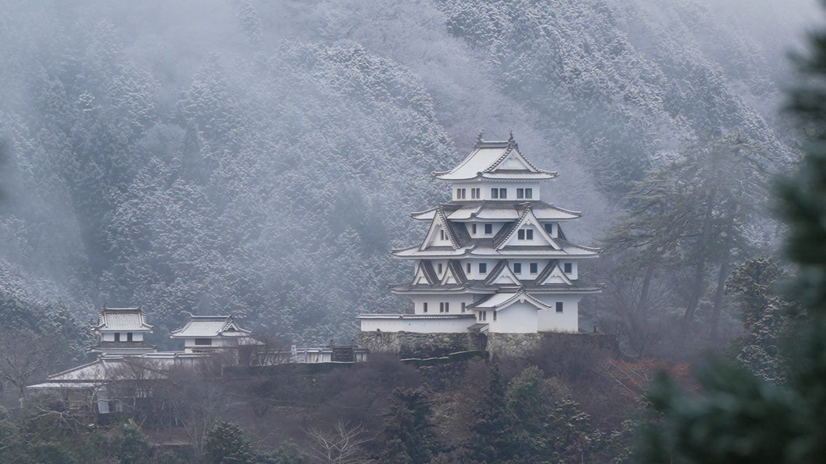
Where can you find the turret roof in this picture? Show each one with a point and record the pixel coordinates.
(122, 320)
(487, 161)
(210, 326)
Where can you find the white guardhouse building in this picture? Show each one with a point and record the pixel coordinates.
(495, 258)
(121, 331)
(204, 333)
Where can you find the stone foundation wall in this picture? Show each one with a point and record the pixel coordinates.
(521, 344)
(424, 345)
(417, 345)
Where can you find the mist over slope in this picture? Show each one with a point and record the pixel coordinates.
(261, 158)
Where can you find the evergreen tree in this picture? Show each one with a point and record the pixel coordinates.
(226, 443)
(410, 433)
(739, 417)
(495, 438)
(765, 316)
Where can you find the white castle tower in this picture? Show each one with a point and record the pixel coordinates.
(495, 258)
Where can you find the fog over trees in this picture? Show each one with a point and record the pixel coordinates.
(261, 158)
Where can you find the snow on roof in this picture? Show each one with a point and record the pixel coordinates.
(485, 160)
(414, 316)
(486, 248)
(106, 367)
(503, 300)
(210, 326)
(499, 211)
(122, 320)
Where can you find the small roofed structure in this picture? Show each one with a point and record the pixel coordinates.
(204, 333)
(121, 331)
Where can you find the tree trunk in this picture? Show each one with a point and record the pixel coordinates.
(700, 268)
(725, 264)
(642, 303)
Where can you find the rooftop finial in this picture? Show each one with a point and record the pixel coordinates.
(479, 136)
(511, 141)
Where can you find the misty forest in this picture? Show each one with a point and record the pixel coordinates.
(262, 158)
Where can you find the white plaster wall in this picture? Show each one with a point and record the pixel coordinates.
(487, 186)
(574, 275)
(434, 300)
(190, 342)
(480, 229)
(474, 273)
(526, 268)
(537, 239)
(566, 321)
(124, 336)
(417, 325)
(516, 318)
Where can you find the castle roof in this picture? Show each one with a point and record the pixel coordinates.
(502, 300)
(210, 326)
(481, 287)
(497, 211)
(486, 248)
(121, 320)
(500, 160)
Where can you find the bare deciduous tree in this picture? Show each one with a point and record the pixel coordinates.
(24, 356)
(340, 445)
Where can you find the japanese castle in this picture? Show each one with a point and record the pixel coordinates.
(495, 258)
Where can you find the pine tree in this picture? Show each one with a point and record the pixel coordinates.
(495, 438)
(411, 435)
(739, 417)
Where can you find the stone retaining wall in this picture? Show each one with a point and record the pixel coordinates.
(424, 345)
(417, 345)
(517, 345)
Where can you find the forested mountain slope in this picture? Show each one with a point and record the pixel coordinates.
(261, 158)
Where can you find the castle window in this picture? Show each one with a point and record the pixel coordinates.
(529, 193)
(117, 337)
(441, 307)
(494, 193)
(483, 268)
(447, 307)
(494, 316)
(488, 229)
(424, 307)
(503, 193)
(203, 341)
(464, 307)
(517, 268)
(472, 193)
(569, 268)
(473, 229)
(521, 234)
(129, 337)
(559, 306)
(440, 267)
(468, 268)
(520, 193)
(442, 234)
(534, 268)
(529, 234)
(549, 228)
